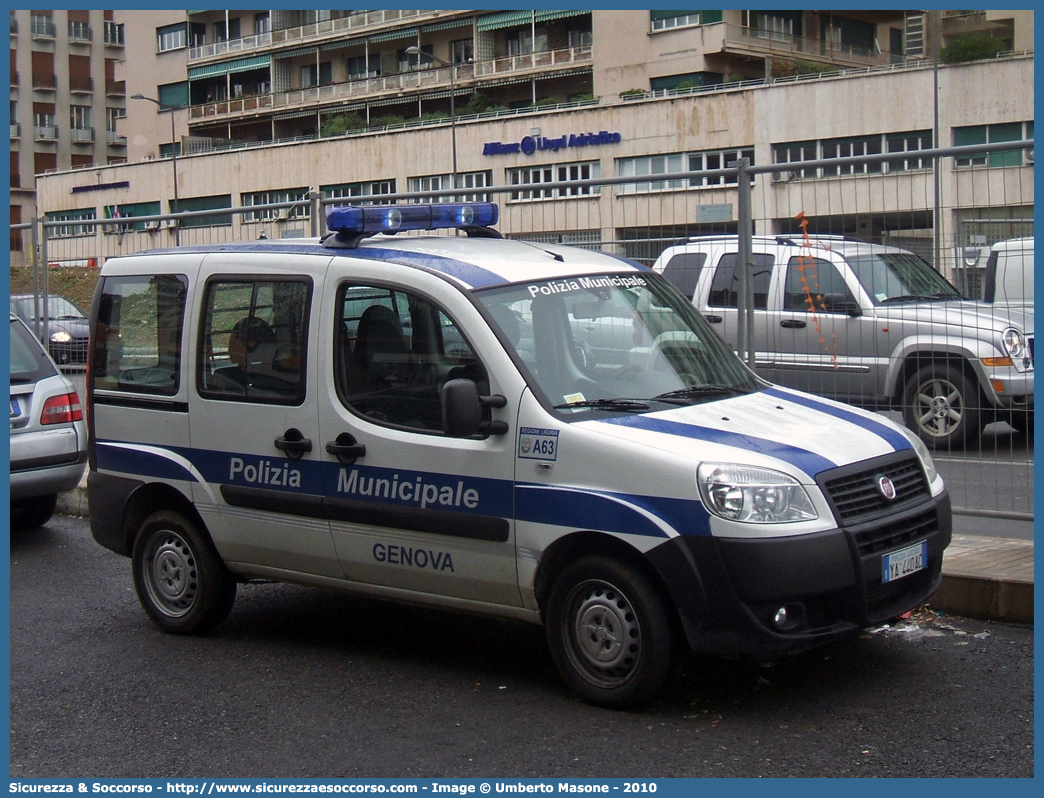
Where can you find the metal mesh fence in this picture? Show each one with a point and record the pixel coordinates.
(931, 361)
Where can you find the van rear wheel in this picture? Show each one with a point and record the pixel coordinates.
(942, 406)
(610, 634)
(180, 580)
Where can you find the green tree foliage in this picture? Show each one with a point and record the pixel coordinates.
(971, 47)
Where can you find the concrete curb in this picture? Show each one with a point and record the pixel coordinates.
(985, 578)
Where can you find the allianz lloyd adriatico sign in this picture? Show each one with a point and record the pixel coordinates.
(531, 144)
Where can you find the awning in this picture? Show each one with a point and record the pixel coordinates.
(405, 33)
(510, 19)
(504, 19)
(245, 64)
(344, 43)
(297, 52)
(295, 115)
(208, 71)
(454, 23)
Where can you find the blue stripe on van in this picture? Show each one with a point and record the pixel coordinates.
(809, 462)
(474, 276)
(579, 508)
(891, 436)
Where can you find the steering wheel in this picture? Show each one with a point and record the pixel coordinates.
(626, 371)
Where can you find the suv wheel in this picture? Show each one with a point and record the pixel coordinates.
(942, 406)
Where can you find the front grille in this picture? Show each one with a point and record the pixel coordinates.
(854, 494)
(880, 538)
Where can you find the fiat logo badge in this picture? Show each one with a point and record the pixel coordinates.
(886, 487)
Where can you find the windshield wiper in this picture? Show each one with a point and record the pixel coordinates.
(921, 297)
(626, 405)
(695, 391)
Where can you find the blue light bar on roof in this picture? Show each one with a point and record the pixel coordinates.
(373, 219)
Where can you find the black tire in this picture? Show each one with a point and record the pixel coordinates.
(33, 512)
(610, 634)
(180, 580)
(943, 407)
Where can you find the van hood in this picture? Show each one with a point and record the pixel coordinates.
(806, 432)
(962, 313)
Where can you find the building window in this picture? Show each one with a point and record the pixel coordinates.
(992, 134)
(676, 18)
(171, 37)
(114, 33)
(423, 60)
(298, 211)
(717, 159)
(358, 67)
(262, 23)
(173, 95)
(465, 180)
(563, 173)
(72, 229)
(80, 117)
(462, 51)
(526, 40)
(651, 165)
(80, 32)
(223, 34)
(850, 147)
(909, 142)
(41, 25)
(363, 193)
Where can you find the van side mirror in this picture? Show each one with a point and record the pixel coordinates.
(839, 303)
(462, 410)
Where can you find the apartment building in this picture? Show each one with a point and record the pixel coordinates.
(65, 98)
(269, 106)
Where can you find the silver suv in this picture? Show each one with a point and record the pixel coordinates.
(867, 324)
(48, 435)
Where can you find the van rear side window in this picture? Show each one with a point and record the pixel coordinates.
(254, 338)
(138, 334)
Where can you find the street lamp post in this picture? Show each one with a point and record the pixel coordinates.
(173, 155)
(414, 50)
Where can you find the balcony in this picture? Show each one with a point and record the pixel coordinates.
(325, 29)
(14, 78)
(16, 130)
(531, 64)
(752, 42)
(115, 88)
(14, 26)
(81, 135)
(113, 34)
(80, 33)
(44, 81)
(81, 85)
(45, 133)
(114, 139)
(43, 28)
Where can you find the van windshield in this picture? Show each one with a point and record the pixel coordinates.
(893, 277)
(614, 343)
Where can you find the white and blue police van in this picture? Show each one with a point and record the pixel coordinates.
(460, 420)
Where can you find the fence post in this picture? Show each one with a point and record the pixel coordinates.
(42, 312)
(34, 259)
(745, 219)
(315, 223)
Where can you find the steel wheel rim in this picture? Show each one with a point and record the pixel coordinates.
(939, 408)
(604, 639)
(170, 574)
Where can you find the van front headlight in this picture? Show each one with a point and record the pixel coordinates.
(753, 495)
(922, 453)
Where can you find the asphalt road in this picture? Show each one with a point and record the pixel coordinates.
(303, 683)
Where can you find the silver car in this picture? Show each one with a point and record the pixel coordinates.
(48, 433)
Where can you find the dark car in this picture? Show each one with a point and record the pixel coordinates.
(68, 329)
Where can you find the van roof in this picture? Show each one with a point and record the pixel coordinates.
(471, 262)
(1014, 243)
(840, 244)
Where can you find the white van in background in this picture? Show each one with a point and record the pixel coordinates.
(1009, 274)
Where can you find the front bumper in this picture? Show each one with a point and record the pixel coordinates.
(830, 582)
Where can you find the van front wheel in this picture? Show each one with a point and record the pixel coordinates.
(609, 633)
(180, 580)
